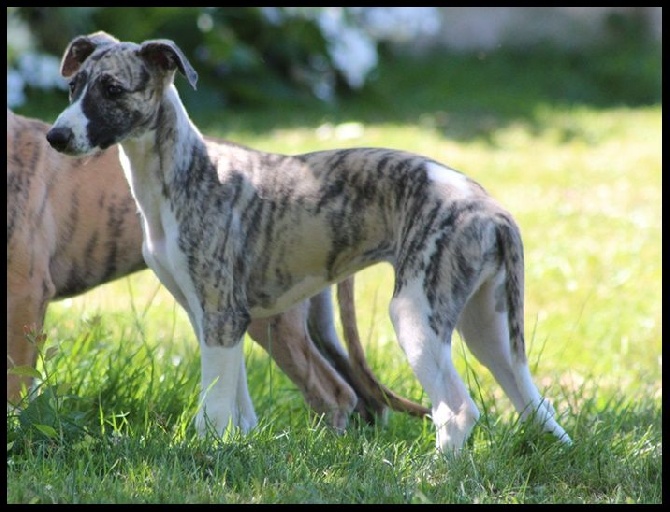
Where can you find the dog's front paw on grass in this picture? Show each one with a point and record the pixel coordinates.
(220, 424)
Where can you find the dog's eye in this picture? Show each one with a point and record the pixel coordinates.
(113, 90)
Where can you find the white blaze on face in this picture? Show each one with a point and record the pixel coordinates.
(74, 118)
(441, 174)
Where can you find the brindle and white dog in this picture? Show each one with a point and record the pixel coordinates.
(238, 234)
(72, 224)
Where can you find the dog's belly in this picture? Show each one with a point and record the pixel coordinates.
(299, 271)
(301, 290)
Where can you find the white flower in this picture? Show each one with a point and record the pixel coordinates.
(353, 47)
(353, 52)
(41, 71)
(399, 24)
(33, 70)
(272, 15)
(15, 85)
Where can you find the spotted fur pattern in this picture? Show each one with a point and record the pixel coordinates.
(237, 233)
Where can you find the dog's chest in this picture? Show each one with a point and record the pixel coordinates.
(160, 234)
(158, 221)
(161, 249)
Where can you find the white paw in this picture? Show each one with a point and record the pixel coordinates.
(219, 420)
(209, 420)
(247, 421)
(453, 430)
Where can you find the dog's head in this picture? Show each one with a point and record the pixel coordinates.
(115, 89)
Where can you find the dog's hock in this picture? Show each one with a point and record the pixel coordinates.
(166, 55)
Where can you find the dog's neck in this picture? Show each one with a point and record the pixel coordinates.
(165, 149)
(152, 160)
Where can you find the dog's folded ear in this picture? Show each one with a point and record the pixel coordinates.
(80, 48)
(167, 55)
(158, 52)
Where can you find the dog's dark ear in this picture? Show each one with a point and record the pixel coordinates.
(167, 55)
(80, 48)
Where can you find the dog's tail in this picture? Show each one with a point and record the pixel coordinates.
(511, 244)
(362, 375)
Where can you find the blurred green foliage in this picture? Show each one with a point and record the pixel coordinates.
(242, 55)
(272, 60)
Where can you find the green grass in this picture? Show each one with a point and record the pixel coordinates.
(573, 150)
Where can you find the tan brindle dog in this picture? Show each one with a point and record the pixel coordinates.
(73, 225)
(238, 234)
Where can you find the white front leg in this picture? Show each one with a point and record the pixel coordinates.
(247, 414)
(222, 373)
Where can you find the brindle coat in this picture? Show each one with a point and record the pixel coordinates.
(235, 234)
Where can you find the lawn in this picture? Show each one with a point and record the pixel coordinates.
(570, 144)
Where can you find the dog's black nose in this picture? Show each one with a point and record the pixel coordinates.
(59, 138)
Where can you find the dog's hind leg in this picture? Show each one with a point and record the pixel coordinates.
(375, 396)
(484, 327)
(321, 324)
(286, 339)
(454, 413)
